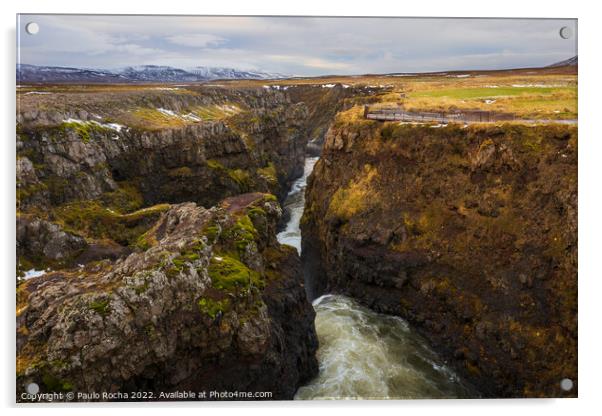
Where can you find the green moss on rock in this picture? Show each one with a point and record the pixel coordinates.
(211, 232)
(126, 198)
(146, 241)
(91, 219)
(241, 177)
(357, 196)
(212, 307)
(241, 233)
(55, 384)
(184, 260)
(102, 307)
(214, 164)
(84, 130)
(25, 192)
(256, 211)
(228, 273)
(269, 173)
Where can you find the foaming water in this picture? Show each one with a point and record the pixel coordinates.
(366, 355)
(294, 203)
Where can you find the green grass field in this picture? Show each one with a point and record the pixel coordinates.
(484, 93)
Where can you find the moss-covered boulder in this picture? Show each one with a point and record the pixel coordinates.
(213, 302)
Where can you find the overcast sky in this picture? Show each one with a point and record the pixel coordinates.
(295, 46)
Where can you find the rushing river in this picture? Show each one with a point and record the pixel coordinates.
(363, 354)
(293, 206)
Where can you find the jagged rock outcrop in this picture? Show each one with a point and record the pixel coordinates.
(470, 233)
(80, 169)
(212, 302)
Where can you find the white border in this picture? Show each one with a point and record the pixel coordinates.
(590, 150)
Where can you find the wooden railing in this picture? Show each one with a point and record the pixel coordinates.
(469, 116)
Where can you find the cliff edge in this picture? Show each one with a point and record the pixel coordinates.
(469, 232)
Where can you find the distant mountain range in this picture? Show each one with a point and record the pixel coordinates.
(567, 62)
(144, 73)
(153, 73)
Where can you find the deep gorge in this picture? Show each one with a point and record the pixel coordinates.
(363, 354)
(443, 247)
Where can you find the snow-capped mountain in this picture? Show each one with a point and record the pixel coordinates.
(208, 72)
(33, 73)
(144, 73)
(154, 73)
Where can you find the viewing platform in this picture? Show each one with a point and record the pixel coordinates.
(467, 116)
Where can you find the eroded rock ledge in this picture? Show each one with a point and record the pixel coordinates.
(212, 303)
(469, 233)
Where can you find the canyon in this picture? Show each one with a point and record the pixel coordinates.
(149, 229)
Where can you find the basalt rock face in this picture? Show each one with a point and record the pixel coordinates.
(469, 233)
(212, 303)
(77, 166)
(260, 149)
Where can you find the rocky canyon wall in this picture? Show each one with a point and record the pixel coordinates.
(470, 233)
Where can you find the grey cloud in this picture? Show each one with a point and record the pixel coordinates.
(199, 40)
(300, 46)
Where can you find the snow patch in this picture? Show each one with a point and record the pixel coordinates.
(166, 112)
(74, 120)
(112, 126)
(30, 274)
(192, 117)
